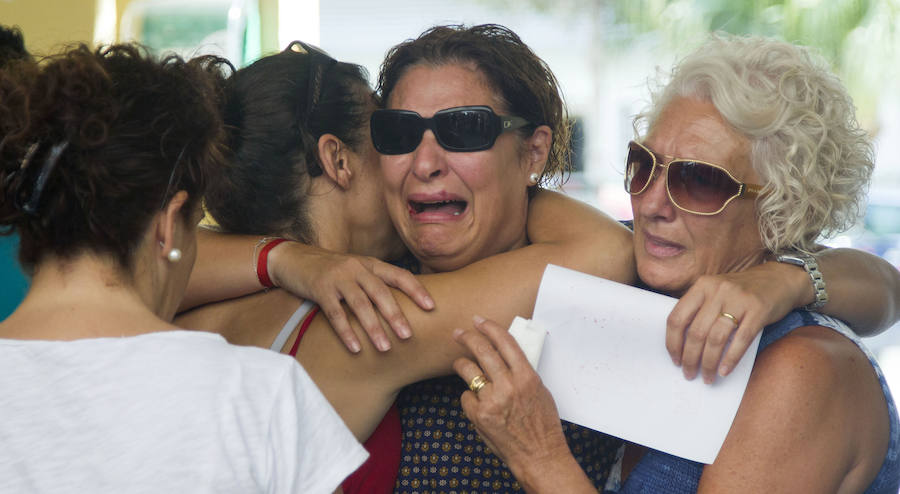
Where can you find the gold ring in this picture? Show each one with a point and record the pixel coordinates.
(734, 320)
(477, 383)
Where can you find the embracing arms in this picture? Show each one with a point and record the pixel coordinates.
(864, 291)
(361, 386)
(227, 266)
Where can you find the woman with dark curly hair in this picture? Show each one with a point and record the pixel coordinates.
(104, 157)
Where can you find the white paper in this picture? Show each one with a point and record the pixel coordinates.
(605, 362)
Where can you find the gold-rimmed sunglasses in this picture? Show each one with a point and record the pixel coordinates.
(693, 186)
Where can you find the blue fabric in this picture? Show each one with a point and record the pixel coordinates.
(12, 280)
(660, 472)
(442, 453)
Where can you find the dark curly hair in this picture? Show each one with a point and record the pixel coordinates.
(129, 131)
(12, 45)
(275, 111)
(520, 78)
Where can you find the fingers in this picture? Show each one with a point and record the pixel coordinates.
(468, 370)
(694, 343)
(678, 322)
(406, 282)
(714, 323)
(750, 326)
(376, 292)
(489, 359)
(503, 342)
(719, 336)
(335, 313)
(358, 299)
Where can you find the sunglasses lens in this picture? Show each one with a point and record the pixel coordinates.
(700, 187)
(466, 129)
(396, 132)
(638, 168)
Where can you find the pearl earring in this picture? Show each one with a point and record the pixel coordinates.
(174, 255)
(533, 178)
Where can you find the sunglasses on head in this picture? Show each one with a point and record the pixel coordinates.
(460, 129)
(693, 186)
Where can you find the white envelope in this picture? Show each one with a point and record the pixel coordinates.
(605, 362)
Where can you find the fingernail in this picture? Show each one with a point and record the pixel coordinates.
(457, 333)
(354, 347)
(478, 319)
(429, 303)
(383, 344)
(724, 370)
(404, 331)
(676, 361)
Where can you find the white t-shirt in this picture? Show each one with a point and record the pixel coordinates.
(178, 411)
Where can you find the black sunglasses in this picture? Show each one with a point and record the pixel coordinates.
(459, 129)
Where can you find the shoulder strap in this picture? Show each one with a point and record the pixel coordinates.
(303, 327)
(291, 323)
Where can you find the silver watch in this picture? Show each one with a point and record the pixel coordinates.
(809, 263)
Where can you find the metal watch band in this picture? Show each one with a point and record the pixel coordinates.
(809, 263)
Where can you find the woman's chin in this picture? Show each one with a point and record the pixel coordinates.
(664, 277)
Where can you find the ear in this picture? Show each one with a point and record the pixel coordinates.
(168, 220)
(334, 155)
(537, 150)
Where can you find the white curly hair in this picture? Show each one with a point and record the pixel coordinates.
(806, 144)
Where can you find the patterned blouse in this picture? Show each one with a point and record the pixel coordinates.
(442, 453)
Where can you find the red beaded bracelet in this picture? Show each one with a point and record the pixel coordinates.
(262, 263)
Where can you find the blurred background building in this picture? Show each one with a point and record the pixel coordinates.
(604, 52)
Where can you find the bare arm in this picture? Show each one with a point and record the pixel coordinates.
(863, 289)
(499, 288)
(209, 282)
(226, 267)
(817, 427)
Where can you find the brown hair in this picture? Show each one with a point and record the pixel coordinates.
(522, 81)
(273, 137)
(97, 142)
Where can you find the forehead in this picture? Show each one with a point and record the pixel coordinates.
(426, 88)
(691, 128)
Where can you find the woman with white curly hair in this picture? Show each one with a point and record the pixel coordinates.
(751, 153)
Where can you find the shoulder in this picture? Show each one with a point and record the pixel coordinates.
(210, 359)
(817, 376)
(810, 358)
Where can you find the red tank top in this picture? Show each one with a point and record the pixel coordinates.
(379, 473)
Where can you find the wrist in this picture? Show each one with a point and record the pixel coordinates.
(267, 252)
(814, 296)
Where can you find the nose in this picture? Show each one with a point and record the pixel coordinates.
(654, 201)
(428, 159)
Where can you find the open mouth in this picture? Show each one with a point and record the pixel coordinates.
(448, 207)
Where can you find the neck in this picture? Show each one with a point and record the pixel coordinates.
(80, 298)
(337, 228)
(444, 265)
